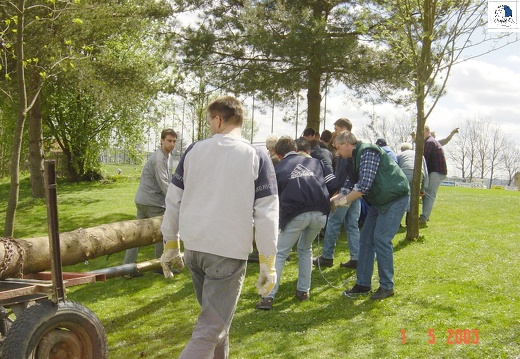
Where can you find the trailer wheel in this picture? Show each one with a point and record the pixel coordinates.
(50, 331)
(5, 323)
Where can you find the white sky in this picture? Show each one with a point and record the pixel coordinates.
(487, 88)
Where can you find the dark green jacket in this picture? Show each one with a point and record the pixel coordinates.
(390, 182)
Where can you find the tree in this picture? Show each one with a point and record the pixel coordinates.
(30, 45)
(464, 154)
(497, 143)
(395, 131)
(276, 48)
(510, 159)
(110, 22)
(430, 36)
(479, 150)
(7, 126)
(15, 62)
(82, 244)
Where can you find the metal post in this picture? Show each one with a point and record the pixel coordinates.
(54, 236)
(297, 113)
(325, 105)
(253, 119)
(272, 118)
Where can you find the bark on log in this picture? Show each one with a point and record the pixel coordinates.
(81, 245)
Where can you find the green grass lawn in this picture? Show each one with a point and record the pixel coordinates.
(459, 280)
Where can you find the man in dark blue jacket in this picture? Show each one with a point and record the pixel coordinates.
(304, 185)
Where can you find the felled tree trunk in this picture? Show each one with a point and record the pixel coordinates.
(79, 245)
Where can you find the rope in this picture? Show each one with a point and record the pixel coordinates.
(323, 275)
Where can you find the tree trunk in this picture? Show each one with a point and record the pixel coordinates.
(36, 148)
(412, 225)
(314, 98)
(20, 122)
(424, 71)
(83, 244)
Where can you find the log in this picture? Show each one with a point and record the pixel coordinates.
(78, 246)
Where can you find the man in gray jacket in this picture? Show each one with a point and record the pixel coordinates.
(153, 185)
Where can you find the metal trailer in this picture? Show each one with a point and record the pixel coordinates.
(37, 321)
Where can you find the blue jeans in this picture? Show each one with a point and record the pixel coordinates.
(303, 229)
(435, 180)
(376, 242)
(142, 213)
(217, 282)
(349, 216)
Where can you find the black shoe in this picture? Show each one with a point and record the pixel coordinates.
(352, 264)
(133, 275)
(382, 293)
(357, 290)
(265, 303)
(322, 262)
(301, 295)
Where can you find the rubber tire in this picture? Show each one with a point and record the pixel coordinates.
(44, 328)
(5, 323)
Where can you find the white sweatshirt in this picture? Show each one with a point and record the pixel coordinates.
(221, 187)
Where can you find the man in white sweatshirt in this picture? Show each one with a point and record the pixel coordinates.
(221, 187)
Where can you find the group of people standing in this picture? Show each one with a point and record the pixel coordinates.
(225, 193)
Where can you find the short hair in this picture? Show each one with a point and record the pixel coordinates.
(168, 131)
(344, 123)
(271, 140)
(284, 146)
(302, 144)
(228, 108)
(309, 131)
(406, 146)
(313, 142)
(345, 137)
(326, 136)
(381, 142)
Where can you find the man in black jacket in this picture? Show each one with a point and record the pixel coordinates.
(303, 189)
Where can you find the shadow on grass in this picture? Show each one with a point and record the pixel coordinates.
(136, 326)
(325, 312)
(403, 243)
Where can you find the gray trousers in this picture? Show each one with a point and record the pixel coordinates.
(217, 282)
(144, 212)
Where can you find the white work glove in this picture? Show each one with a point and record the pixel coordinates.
(171, 258)
(267, 277)
(338, 200)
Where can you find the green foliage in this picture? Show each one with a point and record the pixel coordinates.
(101, 68)
(462, 273)
(278, 48)
(100, 98)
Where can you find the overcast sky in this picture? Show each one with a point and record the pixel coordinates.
(487, 88)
